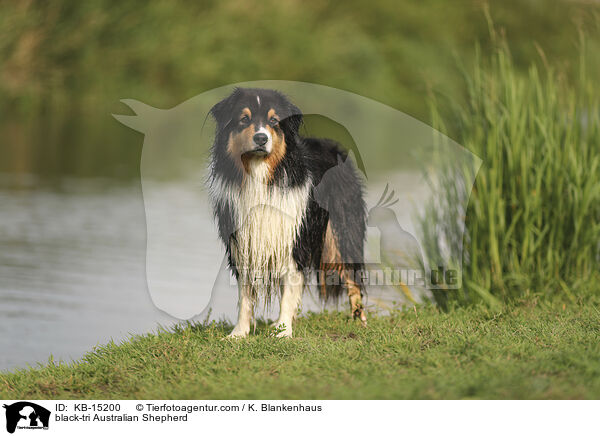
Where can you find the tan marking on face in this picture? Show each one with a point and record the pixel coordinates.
(278, 151)
(238, 144)
(278, 144)
(245, 111)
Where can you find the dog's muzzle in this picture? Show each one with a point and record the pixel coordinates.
(260, 139)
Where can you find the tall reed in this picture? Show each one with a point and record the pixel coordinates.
(533, 219)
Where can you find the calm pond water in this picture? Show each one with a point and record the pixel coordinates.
(72, 268)
(72, 271)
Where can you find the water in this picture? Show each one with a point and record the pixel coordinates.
(72, 267)
(72, 271)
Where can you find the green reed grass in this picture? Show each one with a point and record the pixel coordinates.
(533, 220)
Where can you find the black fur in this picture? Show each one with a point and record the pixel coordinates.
(339, 201)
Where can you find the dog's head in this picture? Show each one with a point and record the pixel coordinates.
(256, 127)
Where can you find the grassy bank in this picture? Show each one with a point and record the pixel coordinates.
(532, 349)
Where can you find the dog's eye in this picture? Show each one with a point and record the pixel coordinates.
(245, 119)
(273, 121)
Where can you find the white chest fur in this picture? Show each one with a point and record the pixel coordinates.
(267, 221)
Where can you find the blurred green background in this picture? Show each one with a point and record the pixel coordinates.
(65, 65)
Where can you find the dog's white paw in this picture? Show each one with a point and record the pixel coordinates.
(238, 333)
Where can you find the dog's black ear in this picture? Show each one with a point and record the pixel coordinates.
(292, 122)
(222, 111)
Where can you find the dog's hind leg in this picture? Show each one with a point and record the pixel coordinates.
(293, 283)
(355, 296)
(246, 307)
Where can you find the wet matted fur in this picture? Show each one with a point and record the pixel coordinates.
(280, 219)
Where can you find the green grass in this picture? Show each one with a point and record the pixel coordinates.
(533, 220)
(531, 349)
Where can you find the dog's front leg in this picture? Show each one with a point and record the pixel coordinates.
(246, 306)
(293, 283)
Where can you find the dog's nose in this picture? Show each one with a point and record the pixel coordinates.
(260, 139)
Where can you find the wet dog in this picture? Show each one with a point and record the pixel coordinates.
(286, 207)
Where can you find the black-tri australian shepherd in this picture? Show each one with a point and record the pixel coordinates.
(287, 207)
